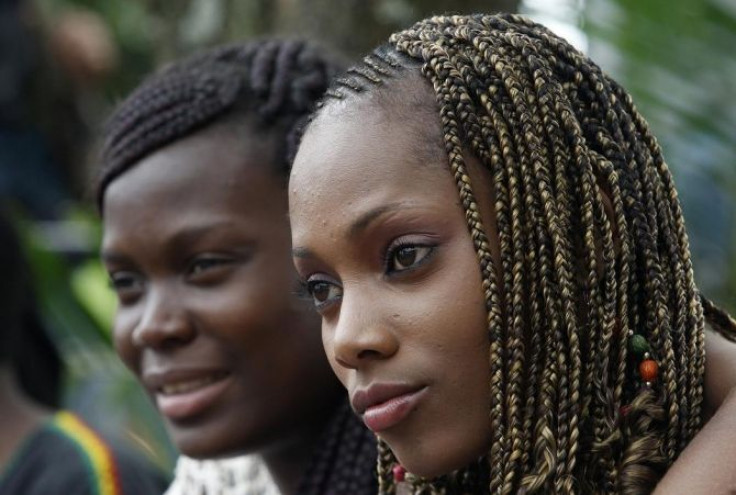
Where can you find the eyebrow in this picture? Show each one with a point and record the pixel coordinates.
(176, 242)
(370, 216)
(301, 252)
(358, 226)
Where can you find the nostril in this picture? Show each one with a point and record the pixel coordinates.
(368, 354)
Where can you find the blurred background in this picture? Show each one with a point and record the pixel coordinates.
(65, 63)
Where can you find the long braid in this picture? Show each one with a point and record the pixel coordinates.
(593, 251)
(277, 83)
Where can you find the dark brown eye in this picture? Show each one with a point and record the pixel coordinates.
(405, 257)
(204, 264)
(127, 285)
(323, 293)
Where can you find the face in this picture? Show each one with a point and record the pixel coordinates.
(381, 240)
(196, 242)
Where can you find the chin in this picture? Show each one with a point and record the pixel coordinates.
(198, 448)
(202, 451)
(200, 444)
(436, 458)
(430, 465)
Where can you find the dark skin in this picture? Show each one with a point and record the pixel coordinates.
(356, 189)
(196, 242)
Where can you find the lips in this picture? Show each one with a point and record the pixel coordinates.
(383, 406)
(184, 394)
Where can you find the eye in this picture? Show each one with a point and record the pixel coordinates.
(406, 256)
(208, 269)
(200, 265)
(324, 293)
(127, 285)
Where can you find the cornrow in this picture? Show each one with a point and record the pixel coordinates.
(597, 365)
(277, 82)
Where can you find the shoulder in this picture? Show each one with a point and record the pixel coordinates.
(48, 462)
(79, 456)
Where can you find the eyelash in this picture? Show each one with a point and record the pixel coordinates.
(127, 285)
(396, 246)
(202, 264)
(322, 305)
(301, 290)
(120, 282)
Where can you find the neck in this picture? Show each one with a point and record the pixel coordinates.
(288, 461)
(18, 414)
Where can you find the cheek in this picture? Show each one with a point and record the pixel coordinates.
(461, 327)
(247, 305)
(241, 321)
(340, 372)
(455, 302)
(122, 335)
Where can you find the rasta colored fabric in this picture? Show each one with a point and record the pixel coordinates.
(97, 455)
(66, 456)
(593, 252)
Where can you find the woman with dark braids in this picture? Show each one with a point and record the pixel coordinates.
(192, 192)
(493, 240)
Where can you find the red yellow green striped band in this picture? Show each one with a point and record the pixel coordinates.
(99, 458)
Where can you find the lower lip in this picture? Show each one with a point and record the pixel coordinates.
(189, 404)
(390, 413)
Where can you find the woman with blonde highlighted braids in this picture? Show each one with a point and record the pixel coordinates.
(494, 242)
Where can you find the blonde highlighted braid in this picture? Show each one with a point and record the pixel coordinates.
(593, 253)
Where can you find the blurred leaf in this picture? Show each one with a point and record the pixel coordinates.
(677, 59)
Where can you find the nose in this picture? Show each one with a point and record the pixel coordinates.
(164, 322)
(361, 335)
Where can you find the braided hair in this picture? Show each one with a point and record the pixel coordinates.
(595, 324)
(277, 83)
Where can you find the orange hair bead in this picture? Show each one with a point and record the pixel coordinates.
(648, 369)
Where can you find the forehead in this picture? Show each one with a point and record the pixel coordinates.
(358, 157)
(219, 158)
(208, 174)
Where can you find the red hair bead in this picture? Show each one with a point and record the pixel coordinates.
(399, 472)
(648, 370)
